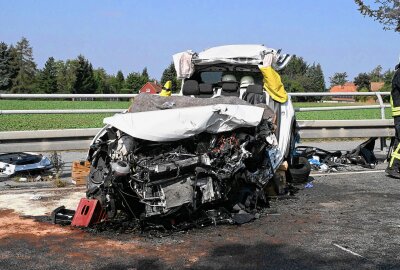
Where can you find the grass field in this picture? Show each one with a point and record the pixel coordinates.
(339, 115)
(65, 121)
(55, 121)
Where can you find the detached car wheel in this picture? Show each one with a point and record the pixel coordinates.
(299, 170)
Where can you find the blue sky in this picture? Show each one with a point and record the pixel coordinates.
(130, 35)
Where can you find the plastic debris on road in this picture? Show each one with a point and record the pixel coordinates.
(309, 185)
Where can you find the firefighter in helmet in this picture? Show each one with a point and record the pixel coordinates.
(394, 164)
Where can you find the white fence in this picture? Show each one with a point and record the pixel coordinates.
(78, 139)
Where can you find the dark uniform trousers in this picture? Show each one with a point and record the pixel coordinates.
(395, 103)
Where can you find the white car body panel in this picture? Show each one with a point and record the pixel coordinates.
(182, 123)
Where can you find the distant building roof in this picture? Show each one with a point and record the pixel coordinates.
(151, 87)
(347, 87)
(376, 86)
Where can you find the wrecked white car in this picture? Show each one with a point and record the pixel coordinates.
(203, 154)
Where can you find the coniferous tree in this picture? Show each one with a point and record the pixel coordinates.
(14, 64)
(120, 81)
(84, 82)
(48, 77)
(169, 74)
(320, 78)
(145, 74)
(5, 68)
(24, 80)
(102, 82)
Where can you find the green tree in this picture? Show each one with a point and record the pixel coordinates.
(120, 81)
(84, 82)
(66, 75)
(363, 98)
(135, 81)
(14, 64)
(315, 79)
(169, 74)
(296, 67)
(363, 80)
(5, 68)
(25, 78)
(145, 74)
(48, 77)
(376, 74)
(387, 12)
(339, 78)
(387, 78)
(298, 76)
(102, 82)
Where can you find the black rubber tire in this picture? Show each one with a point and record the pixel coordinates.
(299, 170)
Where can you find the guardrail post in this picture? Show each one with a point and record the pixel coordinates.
(383, 140)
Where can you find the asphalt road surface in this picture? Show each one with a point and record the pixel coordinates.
(347, 220)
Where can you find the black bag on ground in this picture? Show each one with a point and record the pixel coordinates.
(364, 154)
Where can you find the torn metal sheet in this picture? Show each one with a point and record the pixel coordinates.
(245, 54)
(178, 124)
(12, 163)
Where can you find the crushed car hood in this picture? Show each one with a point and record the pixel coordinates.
(161, 119)
(177, 124)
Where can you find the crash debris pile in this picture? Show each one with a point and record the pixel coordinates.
(326, 161)
(20, 162)
(205, 178)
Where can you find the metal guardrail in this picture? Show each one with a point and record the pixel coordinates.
(79, 139)
(379, 95)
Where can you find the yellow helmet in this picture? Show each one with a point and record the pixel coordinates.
(168, 86)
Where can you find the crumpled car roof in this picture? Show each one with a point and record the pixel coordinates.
(255, 52)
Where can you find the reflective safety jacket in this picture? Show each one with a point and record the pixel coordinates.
(395, 94)
(273, 84)
(167, 89)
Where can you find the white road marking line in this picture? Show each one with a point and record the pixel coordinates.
(348, 250)
(344, 173)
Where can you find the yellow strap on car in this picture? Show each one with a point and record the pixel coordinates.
(273, 84)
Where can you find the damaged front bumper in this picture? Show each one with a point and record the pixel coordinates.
(202, 159)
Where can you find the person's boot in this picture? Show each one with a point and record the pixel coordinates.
(393, 170)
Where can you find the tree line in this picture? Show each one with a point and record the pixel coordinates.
(364, 79)
(19, 74)
(299, 76)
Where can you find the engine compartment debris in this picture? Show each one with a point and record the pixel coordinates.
(213, 176)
